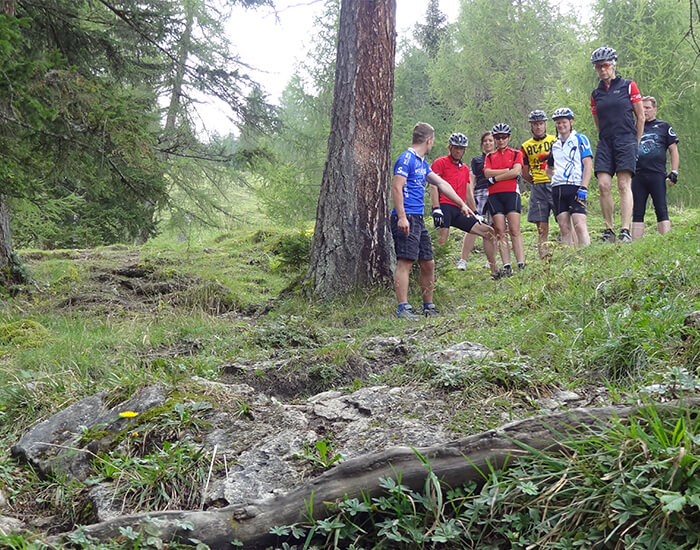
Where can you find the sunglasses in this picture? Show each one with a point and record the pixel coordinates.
(505, 136)
(602, 66)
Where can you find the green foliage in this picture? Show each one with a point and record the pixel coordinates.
(294, 250)
(169, 477)
(291, 169)
(321, 455)
(22, 334)
(627, 484)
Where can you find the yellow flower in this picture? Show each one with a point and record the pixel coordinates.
(128, 414)
(134, 434)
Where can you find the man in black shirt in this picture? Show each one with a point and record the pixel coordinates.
(650, 177)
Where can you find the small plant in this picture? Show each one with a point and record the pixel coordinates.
(320, 455)
(244, 409)
(168, 478)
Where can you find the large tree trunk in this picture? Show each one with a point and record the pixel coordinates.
(454, 463)
(7, 7)
(6, 253)
(352, 244)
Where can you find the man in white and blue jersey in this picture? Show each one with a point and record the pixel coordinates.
(411, 238)
(569, 167)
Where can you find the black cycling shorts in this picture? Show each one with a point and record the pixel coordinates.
(453, 217)
(564, 197)
(643, 185)
(614, 155)
(504, 203)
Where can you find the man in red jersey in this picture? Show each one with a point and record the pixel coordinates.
(446, 213)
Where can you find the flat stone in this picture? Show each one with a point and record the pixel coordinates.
(10, 525)
(461, 352)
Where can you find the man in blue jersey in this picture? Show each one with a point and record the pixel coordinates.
(651, 177)
(569, 167)
(411, 238)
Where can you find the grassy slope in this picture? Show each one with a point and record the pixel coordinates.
(605, 315)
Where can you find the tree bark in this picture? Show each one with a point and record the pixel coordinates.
(352, 244)
(8, 7)
(454, 463)
(6, 252)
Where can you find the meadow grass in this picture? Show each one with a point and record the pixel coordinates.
(607, 316)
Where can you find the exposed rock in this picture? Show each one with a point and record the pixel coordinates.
(691, 326)
(461, 352)
(10, 525)
(566, 396)
(55, 444)
(3, 499)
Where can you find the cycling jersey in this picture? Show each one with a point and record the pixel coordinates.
(658, 136)
(613, 106)
(567, 159)
(499, 160)
(414, 169)
(535, 152)
(478, 171)
(456, 174)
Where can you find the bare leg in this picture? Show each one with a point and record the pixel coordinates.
(606, 200)
(663, 227)
(489, 236)
(427, 279)
(499, 226)
(564, 221)
(638, 230)
(443, 233)
(516, 237)
(468, 244)
(401, 275)
(624, 185)
(542, 238)
(581, 230)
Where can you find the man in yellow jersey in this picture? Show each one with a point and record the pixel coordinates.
(535, 153)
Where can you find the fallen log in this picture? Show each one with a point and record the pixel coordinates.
(454, 463)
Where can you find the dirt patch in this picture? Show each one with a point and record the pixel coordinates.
(290, 379)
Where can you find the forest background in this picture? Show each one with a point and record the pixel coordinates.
(101, 104)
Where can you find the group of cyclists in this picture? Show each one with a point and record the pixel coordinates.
(632, 145)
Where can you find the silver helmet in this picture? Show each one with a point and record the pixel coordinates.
(459, 140)
(537, 115)
(500, 128)
(604, 53)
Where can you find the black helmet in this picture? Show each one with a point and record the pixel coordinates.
(537, 115)
(459, 140)
(563, 112)
(604, 53)
(500, 128)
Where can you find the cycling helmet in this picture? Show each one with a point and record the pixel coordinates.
(500, 128)
(459, 140)
(537, 115)
(604, 53)
(563, 112)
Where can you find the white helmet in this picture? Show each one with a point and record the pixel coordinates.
(500, 128)
(563, 112)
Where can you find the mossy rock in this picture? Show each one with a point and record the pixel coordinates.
(23, 334)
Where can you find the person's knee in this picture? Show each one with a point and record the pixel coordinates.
(624, 181)
(427, 265)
